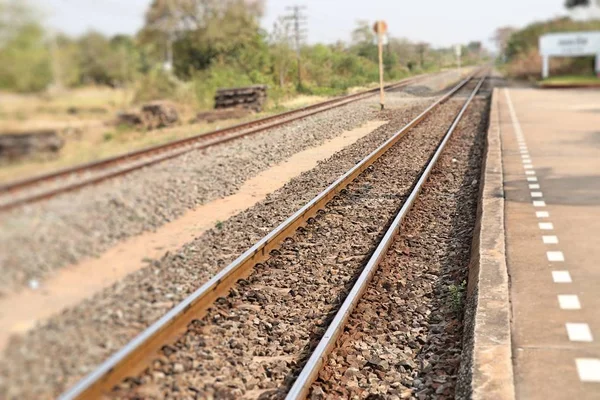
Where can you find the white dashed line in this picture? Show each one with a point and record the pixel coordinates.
(546, 226)
(537, 194)
(588, 369)
(534, 186)
(527, 166)
(539, 203)
(569, 302)
(531, 179)
(555, 256)
(542, 214)
(530, 172)
(579, 332)
(561, 277)
(550, 239)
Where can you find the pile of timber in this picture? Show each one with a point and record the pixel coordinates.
(249, 97)
(15, 146)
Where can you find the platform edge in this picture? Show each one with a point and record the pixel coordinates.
(486, 370)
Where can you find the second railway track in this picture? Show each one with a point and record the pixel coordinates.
(37, 188)
(253, 340)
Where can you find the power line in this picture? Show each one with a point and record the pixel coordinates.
(299, 19)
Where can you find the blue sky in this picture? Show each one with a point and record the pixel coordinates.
(440, 22)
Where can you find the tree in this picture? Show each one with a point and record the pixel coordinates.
(405, 50)
(24, 55)
(570, 4)
(501, 37)
(363, 40)
(103, 61)
(422, 49)
(281, 49)
(211, 30)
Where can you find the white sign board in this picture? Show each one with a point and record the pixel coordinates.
(571, 44)
(458, 50)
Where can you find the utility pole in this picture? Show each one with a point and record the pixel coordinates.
(57, 84)
(380, 29)
(299, 20)
(170, 28)
(458, 53)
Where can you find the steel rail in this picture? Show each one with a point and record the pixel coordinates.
(174, 149)
(310, 371)
(133, 357)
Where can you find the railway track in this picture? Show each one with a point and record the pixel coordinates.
(18, 193)
(367, 194)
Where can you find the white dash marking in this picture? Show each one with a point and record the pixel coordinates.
(561, 277)
(530, 172)
(555, 256)
(539, 203)
(537, 194)
(569, 302)
(579, 332)
(588, 369)
(550, 239)
(532, 179)
(542, 214)
(546, 226)
(534, 186)
(527, 166)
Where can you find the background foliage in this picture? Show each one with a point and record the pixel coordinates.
(212, 44)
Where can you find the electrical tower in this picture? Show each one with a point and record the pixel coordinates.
(299, 20)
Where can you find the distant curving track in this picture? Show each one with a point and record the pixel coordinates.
(137, 354)
(18, 193)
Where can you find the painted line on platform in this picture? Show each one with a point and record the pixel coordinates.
(579, 332)
(561, 277)
(551, 239)
(588, 369)
(555, 256)
(569, 302)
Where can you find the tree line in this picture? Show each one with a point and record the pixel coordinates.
(195, 46)
(519, 48)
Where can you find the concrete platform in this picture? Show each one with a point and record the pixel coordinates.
(551, 173)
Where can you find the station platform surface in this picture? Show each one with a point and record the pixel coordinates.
(551, 164)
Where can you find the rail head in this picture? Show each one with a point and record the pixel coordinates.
(112, 370)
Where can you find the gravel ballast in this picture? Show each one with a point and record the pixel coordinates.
(37, 239)
(404, 339)
(53, 356)
(251, 342)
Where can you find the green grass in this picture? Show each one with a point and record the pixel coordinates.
(571, 80)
